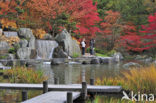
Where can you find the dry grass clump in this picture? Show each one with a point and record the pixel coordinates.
(25, 75)
(136, 79)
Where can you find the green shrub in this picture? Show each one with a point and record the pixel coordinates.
(12, 50)
(75, 55)
(100, 51)
(3, 56)
(110, 53)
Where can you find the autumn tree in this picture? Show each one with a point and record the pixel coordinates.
(146, 41)
(150, 35)
(78, 16)
(110, 29)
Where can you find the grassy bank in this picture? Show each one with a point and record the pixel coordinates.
(20, 75)
(24, 75)
(136, 79)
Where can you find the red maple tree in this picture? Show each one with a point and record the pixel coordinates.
(150, 32)
(110, 29)
(82, 12)
(146, 41)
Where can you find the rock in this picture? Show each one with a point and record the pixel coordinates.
(104, 60)
(140, 57)
(69, 45)
(25, 33)
(1, 32)
(11, 56)
(3, 67)
(7, 56)
(10, 34)
(1, 64)
(32, 43)
(59, 53)
(48, 37)
(4, 45)
(95, 61)
(7, 62)
(148, 60)
(33, 54)
(131, 64)
(85, 61)
(23, 43)
(58, 61)
(117, 57)
(24, 53)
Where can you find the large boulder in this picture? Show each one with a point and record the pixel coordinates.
(117, 56)
(69, 45)
(32, 43)
(24, 53)
(25, 33)
(104, 60)
(48, 37)
(131, 65)
(4, 45)
(59, 53)
(23, 43)
(148, 60)
(95, 61)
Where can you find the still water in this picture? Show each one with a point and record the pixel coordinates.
(67, 74)
(76, 73)
(72, 73)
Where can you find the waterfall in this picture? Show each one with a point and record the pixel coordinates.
(45, 48)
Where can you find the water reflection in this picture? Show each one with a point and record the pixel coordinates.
(74, 74)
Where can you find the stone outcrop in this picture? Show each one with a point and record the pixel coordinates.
(69, 45)
(4, 45)
(23, 43)
(95, 61)
(48, 37)
(130, 65)
(24, 53)
(117, 57)
(104, 60)
(25, 33)
(59, 53)
(31, 44)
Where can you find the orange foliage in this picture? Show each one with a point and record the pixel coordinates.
(10, 40)
(8, 23)
(39, 33)
(76, 40)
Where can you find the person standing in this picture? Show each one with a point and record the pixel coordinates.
(92, 43)
(83, 44)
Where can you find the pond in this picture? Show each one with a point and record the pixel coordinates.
(73, 74)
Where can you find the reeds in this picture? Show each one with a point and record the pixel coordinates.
(25, 75)
(136, 79)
